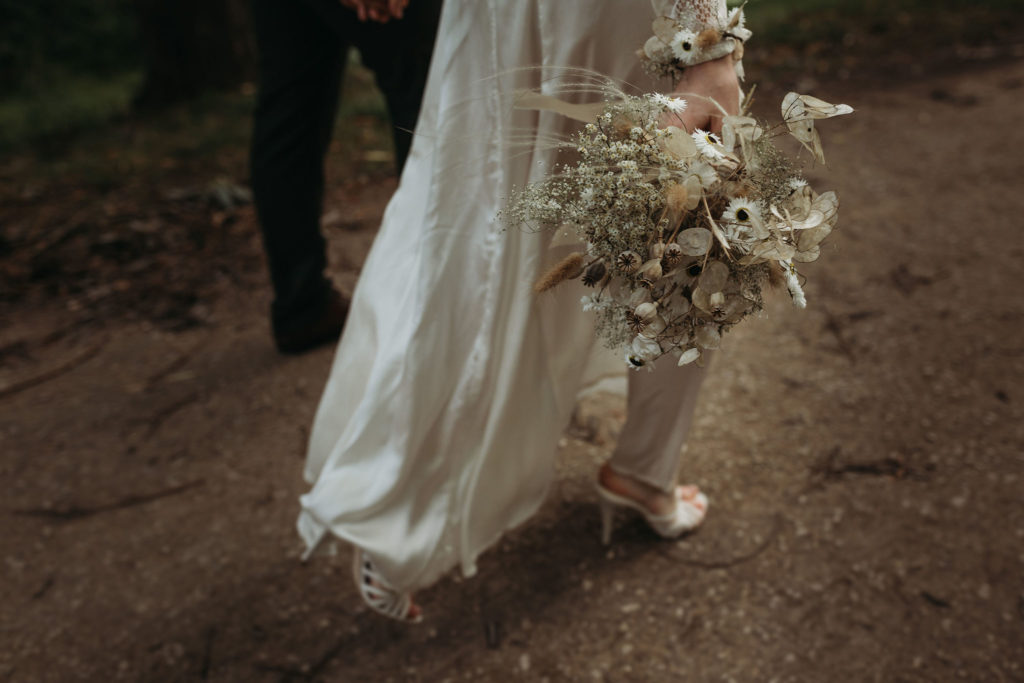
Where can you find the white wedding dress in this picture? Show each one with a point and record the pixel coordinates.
(453, 381)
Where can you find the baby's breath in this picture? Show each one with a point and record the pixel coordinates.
(682, 233)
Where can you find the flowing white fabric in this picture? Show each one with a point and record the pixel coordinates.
(438, 426)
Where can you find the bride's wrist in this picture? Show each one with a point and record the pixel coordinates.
(678, 45)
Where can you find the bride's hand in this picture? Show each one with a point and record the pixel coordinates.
(380, 11)
(716, 80)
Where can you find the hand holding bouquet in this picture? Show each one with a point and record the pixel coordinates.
(682, 231)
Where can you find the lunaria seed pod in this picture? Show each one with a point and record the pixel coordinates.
(594, 274)
(707, 337)
(695, 241)
(646, 311)
(672, 256)
(714, 277)
(639, 296)
(654, 327)
(700, 300)
(688, 356)
(628, 262)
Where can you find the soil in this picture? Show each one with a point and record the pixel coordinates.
(864, 457)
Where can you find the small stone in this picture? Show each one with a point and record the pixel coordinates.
(524, 661)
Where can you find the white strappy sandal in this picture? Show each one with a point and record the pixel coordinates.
(378, 594)
(688, 515)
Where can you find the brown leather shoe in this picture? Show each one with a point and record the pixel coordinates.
(323, 330)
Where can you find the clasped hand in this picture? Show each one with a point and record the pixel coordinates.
(381, 11)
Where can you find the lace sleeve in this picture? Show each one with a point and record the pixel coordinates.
(688, 32)
(704, 13)
(696, 14)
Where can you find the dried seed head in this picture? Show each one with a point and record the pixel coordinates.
(657, 249)
(635, 323)
(651, 271)
(672, 256)
(708, 37)
(567, 269)
(646, 311)
(628, 262)
(594, 274)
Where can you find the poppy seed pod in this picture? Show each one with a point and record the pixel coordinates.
(672, 256)
(657, 249)
(651, 271)
(594, 273)
(646, 311)
(628, 262)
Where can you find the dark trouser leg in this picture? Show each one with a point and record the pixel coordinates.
(402, 73)
(301, 62)
(398, 53)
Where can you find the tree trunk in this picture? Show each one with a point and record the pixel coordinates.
(192, 46)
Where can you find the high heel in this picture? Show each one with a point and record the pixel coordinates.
(380, 595)
(688, 514)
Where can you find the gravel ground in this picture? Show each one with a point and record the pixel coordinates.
(864, 459)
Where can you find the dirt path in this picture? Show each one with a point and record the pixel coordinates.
(864, 459)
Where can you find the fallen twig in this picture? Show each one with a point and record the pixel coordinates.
(173, 366)
(44, 589)
(73, 512)
(52, 373)
(829, 467)
(204, 669)
(157, 421)
(732, 562)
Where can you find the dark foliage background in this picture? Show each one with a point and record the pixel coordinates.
(47, 39)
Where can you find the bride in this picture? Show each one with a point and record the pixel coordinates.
(452, 382)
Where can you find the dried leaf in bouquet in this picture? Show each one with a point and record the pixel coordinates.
(681, 232)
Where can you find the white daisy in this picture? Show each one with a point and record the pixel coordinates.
(742, 212)
(684, 46)
(676, 105)
(641, 353)
(741, 222)
(707, 144)
(633, 362)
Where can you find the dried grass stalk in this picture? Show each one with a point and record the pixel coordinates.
(569, 268)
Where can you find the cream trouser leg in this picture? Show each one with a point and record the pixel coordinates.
(659, 413)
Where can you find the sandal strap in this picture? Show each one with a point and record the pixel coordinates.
(377, 592)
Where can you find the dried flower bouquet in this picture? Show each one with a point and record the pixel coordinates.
(683, 231)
